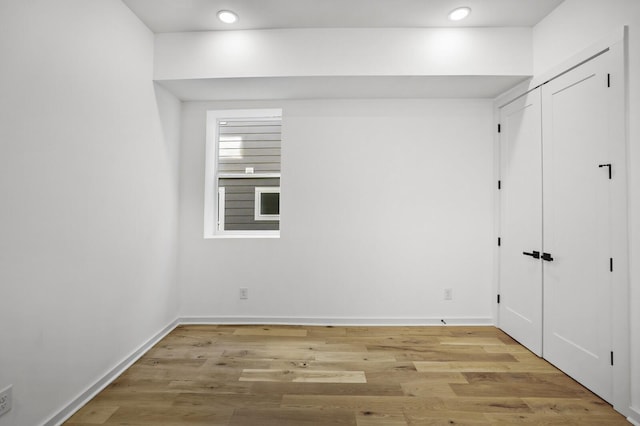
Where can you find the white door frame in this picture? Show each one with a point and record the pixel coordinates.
(616, 44)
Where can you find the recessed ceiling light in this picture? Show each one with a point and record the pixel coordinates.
(459, 13)
(227, 16)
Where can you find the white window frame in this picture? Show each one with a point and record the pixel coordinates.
(213, 203)
(257, 214)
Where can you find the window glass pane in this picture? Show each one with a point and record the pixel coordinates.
(240, 203)
(246, 147)
(249, 157)
(270, 203)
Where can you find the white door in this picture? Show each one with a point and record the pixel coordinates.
(520, 279)
(577, 228)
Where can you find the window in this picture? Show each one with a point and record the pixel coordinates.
(242, 176)
(267, 205)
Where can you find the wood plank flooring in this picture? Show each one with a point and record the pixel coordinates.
(356, 376)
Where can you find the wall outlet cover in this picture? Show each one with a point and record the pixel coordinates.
(244, 293)
(448, 294)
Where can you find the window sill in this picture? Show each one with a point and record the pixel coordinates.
(232, 236)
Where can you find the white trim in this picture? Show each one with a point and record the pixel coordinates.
(257, 212)
(634, 416)
(339, 321)
(210, 203)
(222, 200)
(249, 175)
(620, 280)
(246, 234)
(616, 36)
(79, 401)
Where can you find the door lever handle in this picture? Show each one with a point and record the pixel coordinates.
(606, 165)
(547, 257)
(534, 254)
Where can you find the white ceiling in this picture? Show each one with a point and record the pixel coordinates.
(200, 15)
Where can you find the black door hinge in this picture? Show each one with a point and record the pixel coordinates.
(608, 80)
(498, 298)
(611, 264)
(499, 184)
(611, 357)
(499, 241)
(499, 128)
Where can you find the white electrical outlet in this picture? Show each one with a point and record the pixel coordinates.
(244, 293)
(5, 399)
(448, 294)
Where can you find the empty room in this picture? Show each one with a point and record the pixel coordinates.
(319, 212)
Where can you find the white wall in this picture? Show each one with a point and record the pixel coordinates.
(385, 203)
(88, 190)
(344, 52)
(573, 26)
(89, 185)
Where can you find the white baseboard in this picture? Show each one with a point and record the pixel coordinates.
(338, 321)
(634, 418)
(106, 380)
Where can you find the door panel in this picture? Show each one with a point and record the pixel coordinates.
(520, 309)
(576, 232)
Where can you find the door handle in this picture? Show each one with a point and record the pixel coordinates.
(534, 254)
(606, 165)
(547, 257)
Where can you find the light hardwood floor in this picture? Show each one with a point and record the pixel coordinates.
(361, 376)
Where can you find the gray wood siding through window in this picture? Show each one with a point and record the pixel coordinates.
(240, 203)
(243, 144)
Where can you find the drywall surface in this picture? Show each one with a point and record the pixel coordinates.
(344, 52)
(573, 26)
(88, 183)
(385, 203)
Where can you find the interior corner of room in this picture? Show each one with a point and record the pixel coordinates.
(410, 179)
